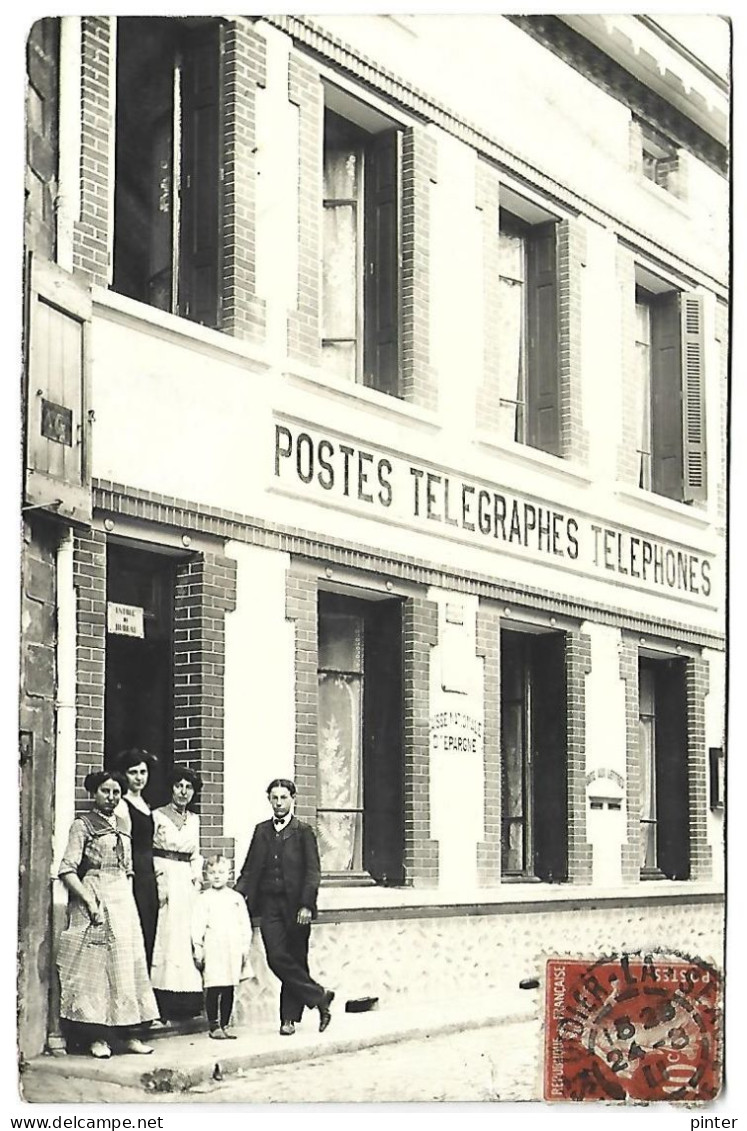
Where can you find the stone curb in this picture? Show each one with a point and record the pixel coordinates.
(217, 1063)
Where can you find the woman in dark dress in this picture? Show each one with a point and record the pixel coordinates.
(135, 765)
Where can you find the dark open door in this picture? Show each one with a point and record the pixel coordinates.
(549, 748)
(383, 830)
(139, 675)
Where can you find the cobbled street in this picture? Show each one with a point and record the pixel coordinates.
(495, 1063)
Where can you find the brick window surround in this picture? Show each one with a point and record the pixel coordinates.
(419, 629)
(571, 257)
(205, 591)
(242, 312)
(696, 684)
(418, 383)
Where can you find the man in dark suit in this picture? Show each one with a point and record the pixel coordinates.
(279, 881)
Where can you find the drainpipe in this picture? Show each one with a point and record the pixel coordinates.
(64, 791)
(68, 197)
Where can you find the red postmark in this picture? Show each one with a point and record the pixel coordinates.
(632, 1027)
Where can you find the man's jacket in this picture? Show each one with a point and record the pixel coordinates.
(300, 862)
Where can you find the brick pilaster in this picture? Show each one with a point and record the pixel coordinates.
(420, 633)
(631, 850)
(577, 667)
(301, 607)
(205, 591)
(91, 248)
(487, 202)
(628, 458)
(701, 854)
(244, 69)
(305, 92)
(574, 438)
(419, 157)
(489, 647)
(89, 579)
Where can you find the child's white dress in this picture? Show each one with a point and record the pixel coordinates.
(221, 937)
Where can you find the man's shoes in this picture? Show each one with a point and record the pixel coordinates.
(136, 1045)
(101, 1050)
(324, 1012)
(217, 1035)
(229, 1036)
(287, 1028)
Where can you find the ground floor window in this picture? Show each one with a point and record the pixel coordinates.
(534, 791)
(663, 769)
(360, 821)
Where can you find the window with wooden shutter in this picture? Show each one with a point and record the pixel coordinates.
(198, 278)
(671, 404)
(360, 260)
(360, 820)
(693, 399)
(58, 428)
(381, 285)
(167, 178)
(666, 418)
(543, 376)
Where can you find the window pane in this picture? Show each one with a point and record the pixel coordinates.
(340, 272)
(512, 787)
(339, 746)
(341, 174)
(340, 643)
(511, 307)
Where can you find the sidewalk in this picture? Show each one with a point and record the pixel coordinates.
(183, 1062)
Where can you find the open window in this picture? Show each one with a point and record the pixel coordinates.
(659, 158)
(670, 396)
(360, 266)
(167, 180)
(360, 822)
(534, 789)
(529, 326)
(663, 769)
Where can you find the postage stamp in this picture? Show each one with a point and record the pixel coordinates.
(632, 1027)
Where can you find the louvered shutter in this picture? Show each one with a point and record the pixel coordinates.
(58, 429)
(694, 481)
(666, 394)
(199, 234)
(381, 264)
(543, 380)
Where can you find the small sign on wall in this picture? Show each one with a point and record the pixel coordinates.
(124, 620)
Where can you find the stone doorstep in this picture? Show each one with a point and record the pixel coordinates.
(181, 1063)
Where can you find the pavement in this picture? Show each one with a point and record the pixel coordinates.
(182, 1064)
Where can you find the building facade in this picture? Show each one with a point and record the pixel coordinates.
(376, 421)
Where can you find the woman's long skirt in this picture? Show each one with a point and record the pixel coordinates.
(103, 972)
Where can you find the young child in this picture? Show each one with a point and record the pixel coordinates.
(221, 936)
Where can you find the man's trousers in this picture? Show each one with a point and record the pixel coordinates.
(287, 948)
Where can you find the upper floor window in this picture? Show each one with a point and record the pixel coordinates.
(360, 265)
(670, 403)
(529, 350)
(167, 179)
(659, 158)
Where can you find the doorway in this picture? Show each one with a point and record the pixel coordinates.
(139, 701)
